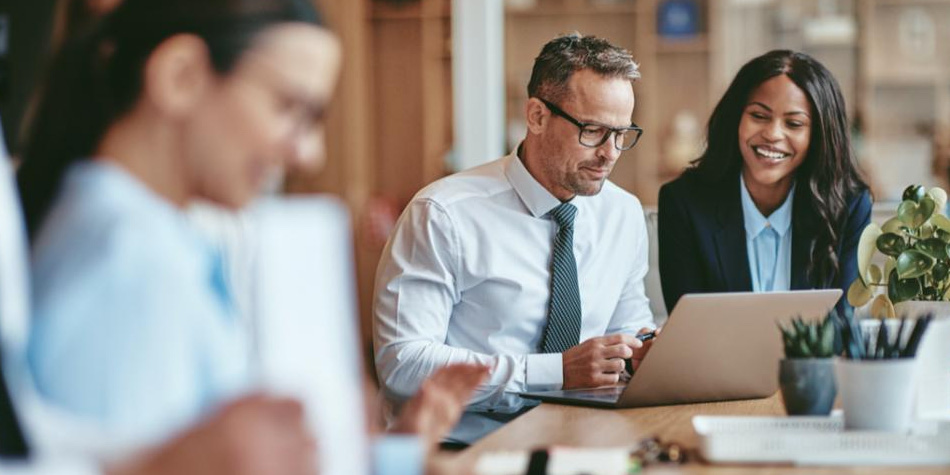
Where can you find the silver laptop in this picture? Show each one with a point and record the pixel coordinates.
(714, 347)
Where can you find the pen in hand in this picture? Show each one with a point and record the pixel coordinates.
(628, 362)
(647, 336)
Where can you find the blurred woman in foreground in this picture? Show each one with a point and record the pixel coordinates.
(161, 103)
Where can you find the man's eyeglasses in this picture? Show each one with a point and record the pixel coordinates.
(594, 135)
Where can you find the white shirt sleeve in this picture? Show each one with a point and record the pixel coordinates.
(50, 467)
(633, 309)
(417, 285)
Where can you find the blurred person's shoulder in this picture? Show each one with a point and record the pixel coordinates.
(102, 212)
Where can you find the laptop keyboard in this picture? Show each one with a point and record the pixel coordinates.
(608, 394)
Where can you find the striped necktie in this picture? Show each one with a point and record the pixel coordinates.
(563, 330)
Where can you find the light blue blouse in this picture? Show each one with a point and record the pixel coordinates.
(133, 326)
(768, 242)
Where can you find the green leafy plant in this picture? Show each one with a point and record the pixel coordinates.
(916, 244)
(810, 339)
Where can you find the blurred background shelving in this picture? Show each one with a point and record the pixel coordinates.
(392, 133)
(390, 130)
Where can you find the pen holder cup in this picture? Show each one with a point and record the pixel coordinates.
(877, 394)
(933, 357)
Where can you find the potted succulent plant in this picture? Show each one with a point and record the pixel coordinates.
(806, 375)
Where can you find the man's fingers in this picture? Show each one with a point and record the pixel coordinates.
(610, 340)
(605, 379)
(618, 339)
(631, 341)
(639, 353)
(615, 365)
(617, 351)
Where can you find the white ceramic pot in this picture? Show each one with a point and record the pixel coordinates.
(877, 394)
(933, 356)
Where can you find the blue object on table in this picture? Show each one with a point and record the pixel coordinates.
(678, 19)
(395, 454)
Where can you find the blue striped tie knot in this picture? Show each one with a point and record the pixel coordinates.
(563, 215)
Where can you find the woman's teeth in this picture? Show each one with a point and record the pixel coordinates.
(773, 155)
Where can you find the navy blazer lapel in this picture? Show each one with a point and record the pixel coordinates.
(730, 240)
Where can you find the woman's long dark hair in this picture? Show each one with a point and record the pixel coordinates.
(96, 77)
(829, 174)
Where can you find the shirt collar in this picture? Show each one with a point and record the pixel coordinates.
(755, 222)
(535, 197)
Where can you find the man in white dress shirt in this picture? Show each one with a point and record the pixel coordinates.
(532, 264)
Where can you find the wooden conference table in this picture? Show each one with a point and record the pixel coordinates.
(553, 424)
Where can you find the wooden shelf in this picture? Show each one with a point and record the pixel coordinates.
(830, 45)
(905, 3)
(560, 11)
(698, 44)
(411, 10)
(907, 80)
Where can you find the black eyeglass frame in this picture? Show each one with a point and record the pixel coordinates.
(611, 131)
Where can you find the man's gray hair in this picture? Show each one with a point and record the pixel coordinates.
(561, 57)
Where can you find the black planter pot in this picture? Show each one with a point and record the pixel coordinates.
(808, 386)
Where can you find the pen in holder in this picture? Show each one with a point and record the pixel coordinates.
(877, 375)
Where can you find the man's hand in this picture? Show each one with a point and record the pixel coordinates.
(641, 352)
(251, 436)
(599, 361)
(438, 405)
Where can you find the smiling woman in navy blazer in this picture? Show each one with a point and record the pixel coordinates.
(776, 201)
